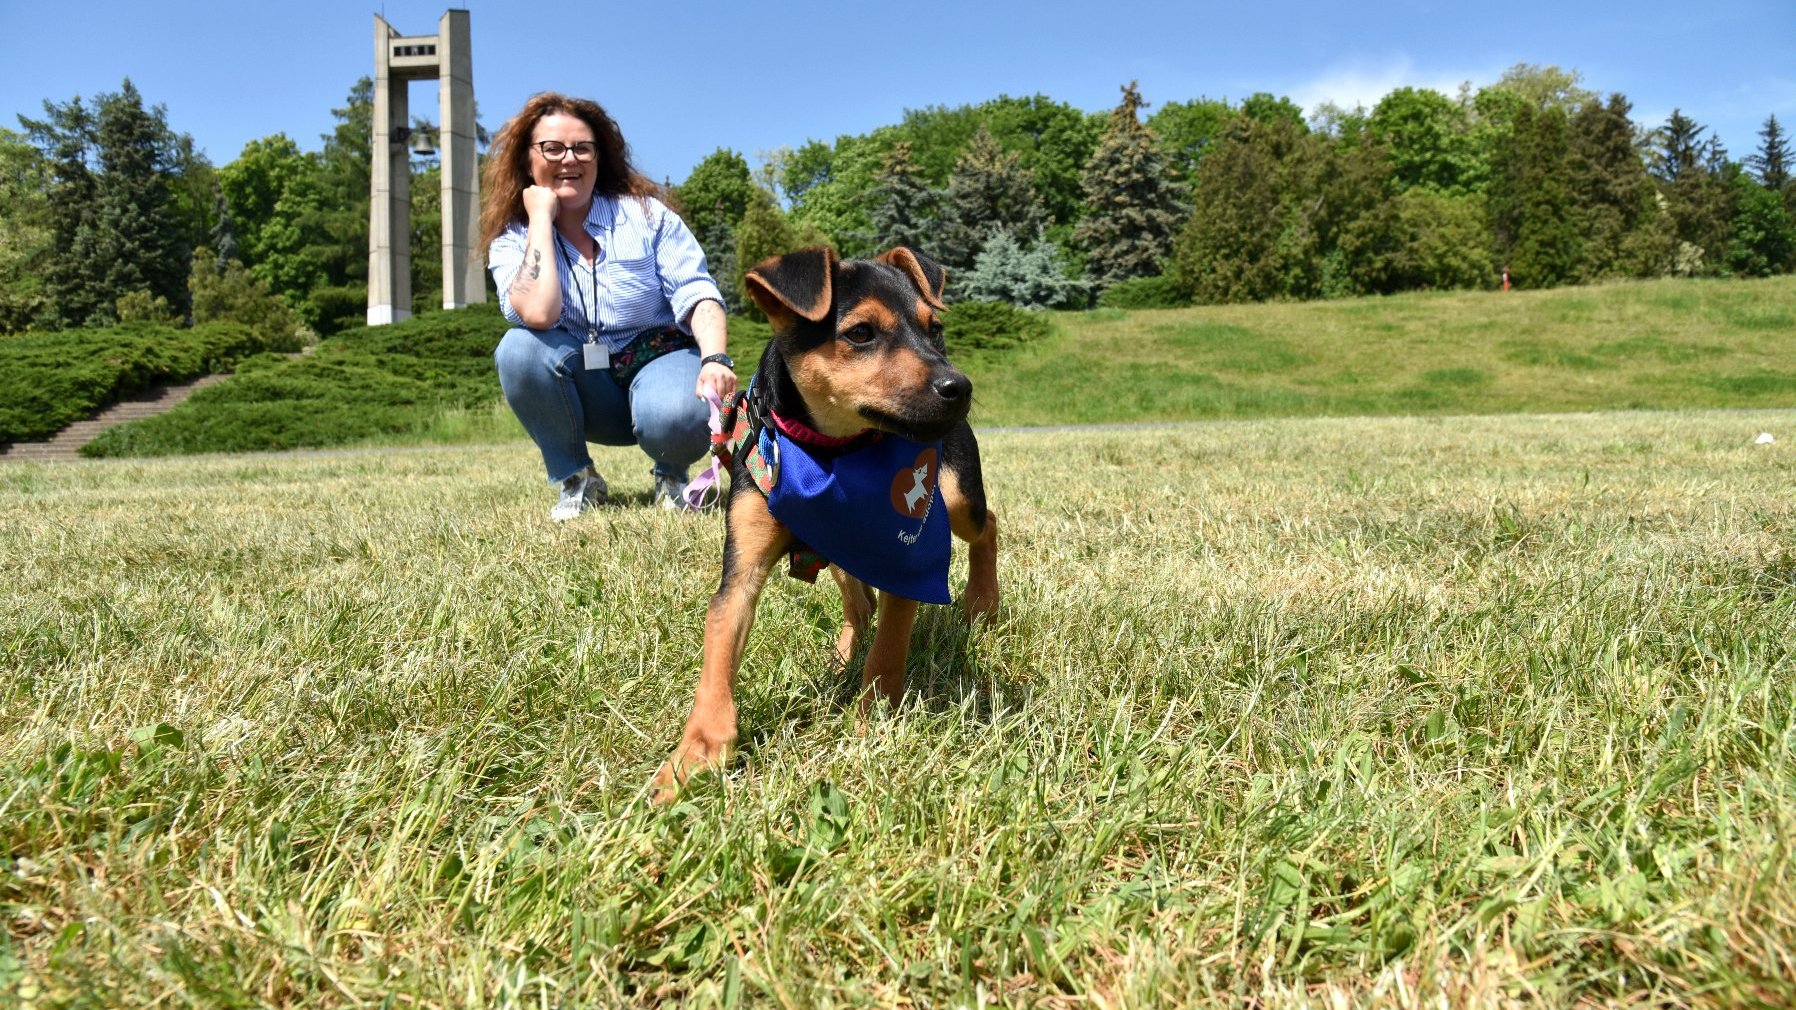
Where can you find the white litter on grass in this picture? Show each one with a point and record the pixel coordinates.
(1763, 439)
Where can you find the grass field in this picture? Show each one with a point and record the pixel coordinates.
(1449, 712)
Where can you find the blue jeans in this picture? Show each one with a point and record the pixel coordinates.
(563, 406)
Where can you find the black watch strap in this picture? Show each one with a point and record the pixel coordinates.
(721, 358)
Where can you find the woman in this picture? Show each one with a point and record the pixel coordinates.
(619, 328)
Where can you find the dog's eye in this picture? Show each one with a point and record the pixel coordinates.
(935, 328)
(859, 333)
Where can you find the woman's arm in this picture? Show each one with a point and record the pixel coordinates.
(711, 328)
(536, 290)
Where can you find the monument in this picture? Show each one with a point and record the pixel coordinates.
(398, 61)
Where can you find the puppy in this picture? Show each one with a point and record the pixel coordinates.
(854, 448)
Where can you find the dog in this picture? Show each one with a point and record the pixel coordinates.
(855, 383)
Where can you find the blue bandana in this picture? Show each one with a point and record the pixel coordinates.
(875, 512)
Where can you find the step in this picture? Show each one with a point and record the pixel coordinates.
(66, 444)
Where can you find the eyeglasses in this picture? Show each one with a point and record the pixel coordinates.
(555, 150)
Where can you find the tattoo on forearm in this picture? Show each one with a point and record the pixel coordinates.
(536, 268)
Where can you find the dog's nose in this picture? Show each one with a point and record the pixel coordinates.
(953, 388)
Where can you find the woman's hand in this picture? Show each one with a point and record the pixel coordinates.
(719, 380)
(540, 200)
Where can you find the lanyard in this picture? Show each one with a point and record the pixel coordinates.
(571, 254)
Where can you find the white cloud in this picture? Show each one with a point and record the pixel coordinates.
(1364, 82)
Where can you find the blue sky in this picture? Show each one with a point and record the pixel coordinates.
(686, 78)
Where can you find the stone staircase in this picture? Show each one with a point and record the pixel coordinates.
(65, 444)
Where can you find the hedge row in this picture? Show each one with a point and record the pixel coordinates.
(50, 380)
(372, 382)
(362, 383)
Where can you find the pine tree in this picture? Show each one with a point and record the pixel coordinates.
(1531, 201)
(1132, 205)
(903, 206)
(1624, 234)
(1772, 160)
(144, 247)
(71, 288)
(1691, 178)
(989, 191)
(1031, 278)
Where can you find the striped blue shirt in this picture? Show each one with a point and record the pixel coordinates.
(651, 271)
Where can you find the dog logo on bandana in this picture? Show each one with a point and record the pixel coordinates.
(914, 488)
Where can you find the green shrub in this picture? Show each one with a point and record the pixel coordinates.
(1156, 292)
(982, 327)
(230, 293)
(333, 310)
(362, 383)
(50, 380)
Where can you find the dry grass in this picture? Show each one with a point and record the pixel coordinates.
(1460, 712)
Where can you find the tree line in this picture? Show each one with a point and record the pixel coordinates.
(1532, 178)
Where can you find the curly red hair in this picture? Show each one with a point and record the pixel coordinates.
(508, 162)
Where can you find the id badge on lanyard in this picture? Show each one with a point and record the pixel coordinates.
(594, 354)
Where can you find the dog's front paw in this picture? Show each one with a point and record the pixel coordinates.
(695, 755)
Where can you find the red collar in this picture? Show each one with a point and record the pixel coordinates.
(804, 434)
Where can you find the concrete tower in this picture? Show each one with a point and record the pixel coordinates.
(399, 60)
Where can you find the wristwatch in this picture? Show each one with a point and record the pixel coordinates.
(721, 358)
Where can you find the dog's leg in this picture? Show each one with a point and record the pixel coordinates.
(754, 543)
(982, 569)
(978, 526)
(857, 611)
(884, 673)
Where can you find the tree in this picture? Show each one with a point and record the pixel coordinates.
(1428, 138)
(1233, 248)
(1264, 107)
(1622, 231)
(277, 200)
(1442, 243)
(223, 291)
(24, 232)
(1547, 87)
(1761, 235)
(1772, 160)
(1051, 141)
(145, 247)
(989, 191)
(114, 220)
(336, 229)
(1531, 203)
(1697, 197)
(715, 195)
(902, 206)
(1185, 130)
(712, 201)
(1031, 278)
(1132, 208)
(71, 290)
(763, 232)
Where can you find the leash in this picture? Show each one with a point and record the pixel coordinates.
(702, 491)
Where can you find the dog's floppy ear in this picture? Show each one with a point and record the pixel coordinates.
(796, 285)
(925, 273)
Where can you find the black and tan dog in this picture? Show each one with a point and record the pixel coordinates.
(857, 350)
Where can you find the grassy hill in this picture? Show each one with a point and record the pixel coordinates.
(1637, 345)
(1657, 344)
(1280, 713)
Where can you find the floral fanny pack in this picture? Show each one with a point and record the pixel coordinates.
(644, 348)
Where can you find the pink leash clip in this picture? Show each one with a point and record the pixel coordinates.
(702, 492)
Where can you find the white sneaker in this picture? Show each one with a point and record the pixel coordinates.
(580, 492)
(670, 493)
